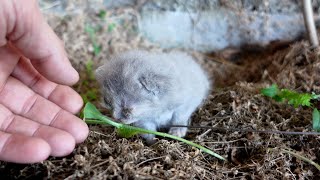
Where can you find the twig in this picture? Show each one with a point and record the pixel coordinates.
(203, 134)
(299, 157)
(222, 142)
(101, 134)
(250, 130)
(225, 62)
(309, 23)
(235, 129)
(99, 164)
(148, 160)
(51, 5)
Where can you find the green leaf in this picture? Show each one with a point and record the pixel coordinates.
(316, 119)
(92, 34)
(315, 96)
(111, 26)
(296, 99)
(127, 131)
(292, 97)
(91, 112)
(93, 116)
(90, 95)
(89, 69)
(277, 98)
(270, 91)
(89, 66)
(102, 14)
(96, 49)
(90, 30)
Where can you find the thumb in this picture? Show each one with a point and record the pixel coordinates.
(27, 30)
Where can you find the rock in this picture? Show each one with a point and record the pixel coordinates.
(205, 25)
(118, 3)
(211, 25)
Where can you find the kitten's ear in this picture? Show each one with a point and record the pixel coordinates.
(100, 73)
(154, 83)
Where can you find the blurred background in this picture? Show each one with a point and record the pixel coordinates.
(201, 25)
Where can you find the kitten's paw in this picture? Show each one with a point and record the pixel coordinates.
(178, 131)
(150, 138)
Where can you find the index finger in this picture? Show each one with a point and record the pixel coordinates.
(23, 25)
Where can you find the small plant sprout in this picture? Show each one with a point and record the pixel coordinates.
(93, 116)
(296, 99)
(102, 14)
(90, 70)
(111, 27)
(92, 34)
(91, 93)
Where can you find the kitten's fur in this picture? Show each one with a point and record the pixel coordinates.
(153, 90)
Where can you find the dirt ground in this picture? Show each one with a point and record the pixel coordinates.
(235, 102)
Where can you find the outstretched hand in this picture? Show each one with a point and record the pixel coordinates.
(36, 103)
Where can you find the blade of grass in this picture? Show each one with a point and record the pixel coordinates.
(93, 116)
(302, 158)
(92, 35)
(140, 130)
(91, 112)
(316, 119)
(271, 91)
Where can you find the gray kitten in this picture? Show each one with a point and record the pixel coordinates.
(153, 90)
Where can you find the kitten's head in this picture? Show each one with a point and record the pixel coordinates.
(131, 94)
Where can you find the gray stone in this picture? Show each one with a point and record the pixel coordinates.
(204, 25)
(211, 25)
(118, 3)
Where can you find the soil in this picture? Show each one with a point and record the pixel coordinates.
(235, 102)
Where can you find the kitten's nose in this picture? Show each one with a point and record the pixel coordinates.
(126, 112)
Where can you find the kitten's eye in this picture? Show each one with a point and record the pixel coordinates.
(107, 102)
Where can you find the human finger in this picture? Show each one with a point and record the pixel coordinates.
(25, 27)
(8, 60)
(22, 101)
(61, 142)
(63, 96)
(22, 149)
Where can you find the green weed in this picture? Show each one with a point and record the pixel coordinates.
(93, 116)
(91, 94)
(92, 34)
(102, 14)
(296, 99)
(111, 27)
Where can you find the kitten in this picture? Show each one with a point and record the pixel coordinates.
(153, 90)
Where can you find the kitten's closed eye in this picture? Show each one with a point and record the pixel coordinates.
(126, 112)
(107, 103)
(154, 83)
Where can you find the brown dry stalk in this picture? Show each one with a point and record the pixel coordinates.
(309, 23)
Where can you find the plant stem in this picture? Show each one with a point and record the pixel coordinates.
(302, 158)
(93, 116)
(178, 139)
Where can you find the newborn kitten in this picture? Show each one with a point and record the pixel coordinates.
(153, 90)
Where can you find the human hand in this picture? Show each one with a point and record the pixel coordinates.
(36, 103)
